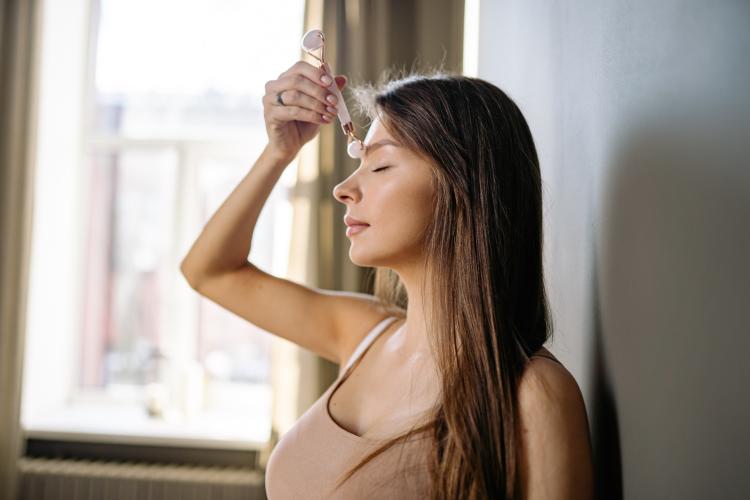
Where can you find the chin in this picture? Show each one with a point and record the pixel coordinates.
(362, 254)
(360, 259)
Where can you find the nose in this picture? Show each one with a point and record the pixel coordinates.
(344, 191)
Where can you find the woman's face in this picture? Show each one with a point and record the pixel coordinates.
(395, 201)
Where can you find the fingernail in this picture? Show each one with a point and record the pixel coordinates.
(326, 118)
(331, 110)
(326, 79)
(331, 98)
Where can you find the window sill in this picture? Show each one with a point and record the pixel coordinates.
(130, 424)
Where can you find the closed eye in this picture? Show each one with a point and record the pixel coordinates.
(379, 169)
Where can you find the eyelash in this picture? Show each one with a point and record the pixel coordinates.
(379, 169)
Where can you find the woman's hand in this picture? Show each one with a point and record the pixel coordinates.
(304, 91)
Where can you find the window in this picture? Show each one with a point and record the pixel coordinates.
(150, 115)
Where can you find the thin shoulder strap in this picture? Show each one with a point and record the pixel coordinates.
(369, 339)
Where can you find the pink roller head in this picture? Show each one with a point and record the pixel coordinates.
(312, 40)
(355, 149)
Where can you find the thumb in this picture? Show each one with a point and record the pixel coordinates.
(340, 81)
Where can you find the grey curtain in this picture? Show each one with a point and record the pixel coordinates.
(18, 47)
(364, 38)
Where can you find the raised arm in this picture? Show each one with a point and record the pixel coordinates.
(326, 322)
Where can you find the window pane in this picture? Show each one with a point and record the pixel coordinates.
(230, 347)
(128, 265)
(190, 67)
(175, 88)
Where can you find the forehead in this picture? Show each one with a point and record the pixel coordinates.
(377, 132)
(377, 137)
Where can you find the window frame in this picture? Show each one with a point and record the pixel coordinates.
(41, 442)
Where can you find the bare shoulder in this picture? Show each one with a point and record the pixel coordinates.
(544, 376)
(546, 384)
(555, 452)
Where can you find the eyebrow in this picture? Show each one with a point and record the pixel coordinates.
(383, 142)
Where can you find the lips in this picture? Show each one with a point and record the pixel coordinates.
(351, 221)
(355, 229)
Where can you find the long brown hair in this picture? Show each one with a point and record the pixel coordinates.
(487, 310)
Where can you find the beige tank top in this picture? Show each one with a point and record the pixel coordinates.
(311, 456)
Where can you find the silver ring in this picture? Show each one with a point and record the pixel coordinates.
(278, 98)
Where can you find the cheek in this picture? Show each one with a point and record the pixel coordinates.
(407, 214)
(398, 225)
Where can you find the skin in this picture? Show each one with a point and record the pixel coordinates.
(555, 451)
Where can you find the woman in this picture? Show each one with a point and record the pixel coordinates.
(446, 390)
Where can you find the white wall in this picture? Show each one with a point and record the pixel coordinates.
(641, 115)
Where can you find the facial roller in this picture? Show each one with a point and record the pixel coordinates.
(314, 40)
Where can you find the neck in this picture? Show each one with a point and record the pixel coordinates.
(412, 337)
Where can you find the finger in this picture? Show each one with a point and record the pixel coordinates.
(290, 113)
(313, 73)
(303, 84)
(292, 97)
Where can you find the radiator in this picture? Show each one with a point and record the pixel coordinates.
(53, 479)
